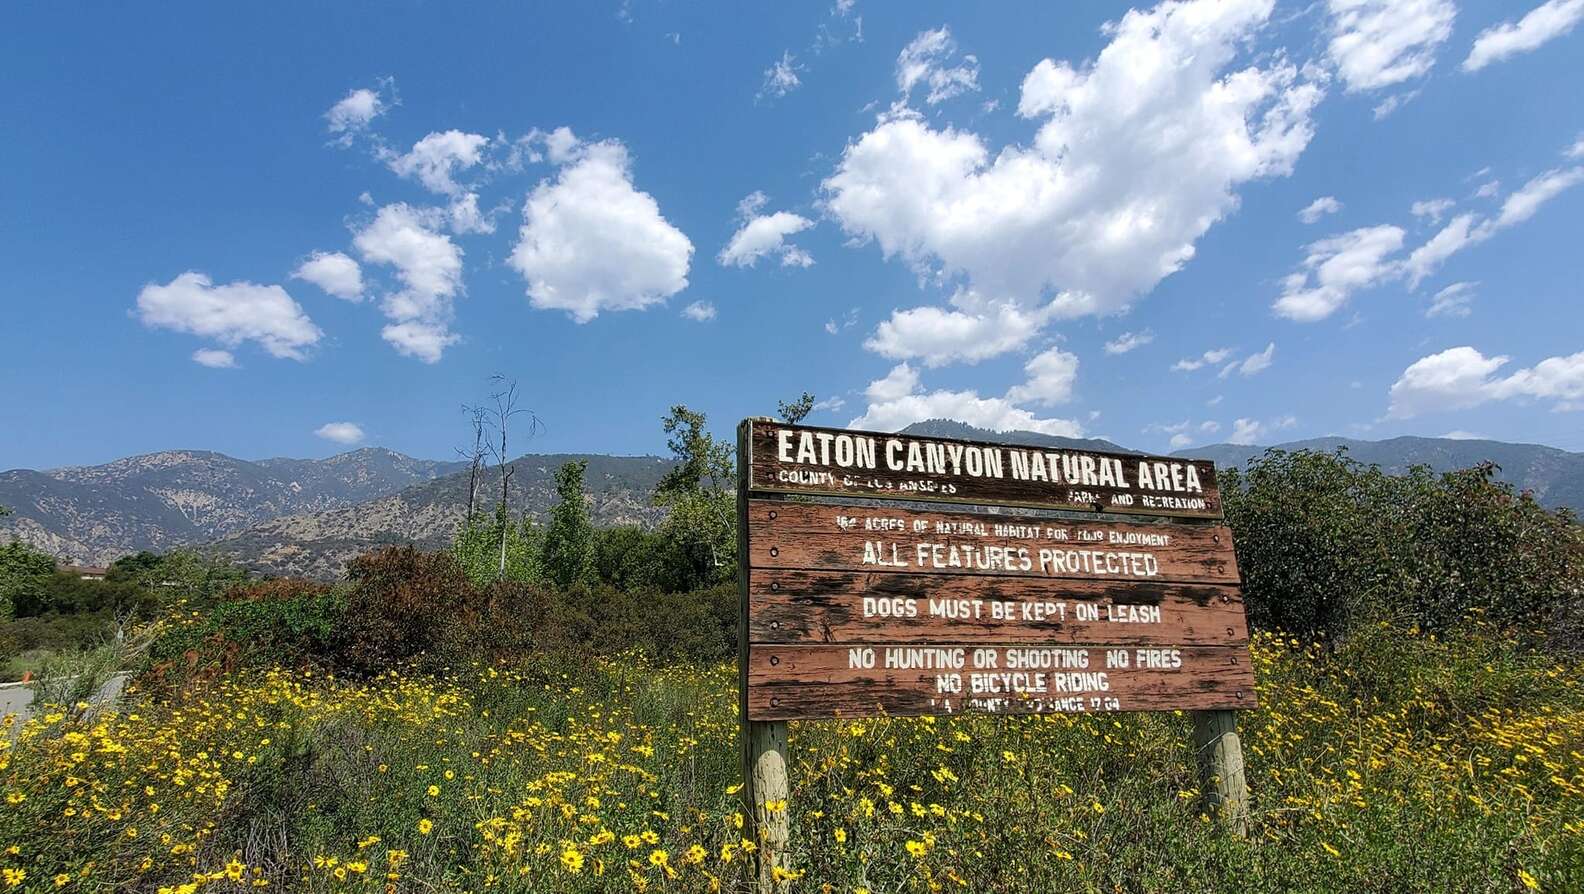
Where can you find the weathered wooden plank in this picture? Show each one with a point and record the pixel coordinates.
(765, 783)
(806, 459)
(787, 682)
(855, 538)
(848, 606)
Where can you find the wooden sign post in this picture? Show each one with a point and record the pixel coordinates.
(856, 606)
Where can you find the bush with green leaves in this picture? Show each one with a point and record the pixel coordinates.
(189, 576)
(484, 558)
(1326, 544)
(286, 622)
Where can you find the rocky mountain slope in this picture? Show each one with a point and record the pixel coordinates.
(318, 544)
(93, 514)
(947, 428)
(308, 517)
(1555, 477)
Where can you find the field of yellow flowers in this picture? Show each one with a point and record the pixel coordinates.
(1397, 762)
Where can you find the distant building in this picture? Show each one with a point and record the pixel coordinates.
(86, 572)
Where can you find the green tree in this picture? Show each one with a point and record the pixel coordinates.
(699, 496)
(477, 548)
(795, 412)
(24, 573)
(179, 574)
(569, 537)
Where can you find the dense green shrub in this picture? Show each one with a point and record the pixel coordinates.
(477, 548)
(600, 619)
(65, 593)
(1326, 544)
(57, 632)
(279, 623)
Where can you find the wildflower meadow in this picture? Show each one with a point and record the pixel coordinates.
(1450, 765)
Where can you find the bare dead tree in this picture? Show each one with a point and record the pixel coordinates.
(478, 417)
(505, 399)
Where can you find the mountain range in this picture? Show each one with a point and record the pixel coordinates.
(308, 517)
(93, 514)
(1555, 477)
(288, 516)
(318, 544)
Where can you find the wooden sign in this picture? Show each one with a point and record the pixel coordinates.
(815, 682)
(869, 607)
(828, 537)
(803, 459)
(853, 605)
(859, 610)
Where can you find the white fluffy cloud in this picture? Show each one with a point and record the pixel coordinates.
(333, 272)
(699, 311)
(1253, 431)
(354, 112)
(434, 159)
(429, 266)
(1434, 209)
(1460, 378)
(214, 358)
(928, 60)
(340, 432)
(1139, 153)
(1452, 301)
(464, 216)
(591, 242)
(1379, 43)
(1051, 375)
(901, 381)
(1547, 21)
(1471, 229)
(230, 314)
(765, 234)
(1129, 341)
(1208, 358)
(1337, 267)
(939, 336)
(895, 402)
(561, 145)
(1319, 208)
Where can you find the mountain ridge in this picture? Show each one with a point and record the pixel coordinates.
(303, 516)
(427, 515)
(1555, 476)
(93, 514)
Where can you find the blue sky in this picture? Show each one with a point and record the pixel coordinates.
(289, 230)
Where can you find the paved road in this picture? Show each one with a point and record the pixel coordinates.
(15, 697)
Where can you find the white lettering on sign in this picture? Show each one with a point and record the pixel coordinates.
(840, 450)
